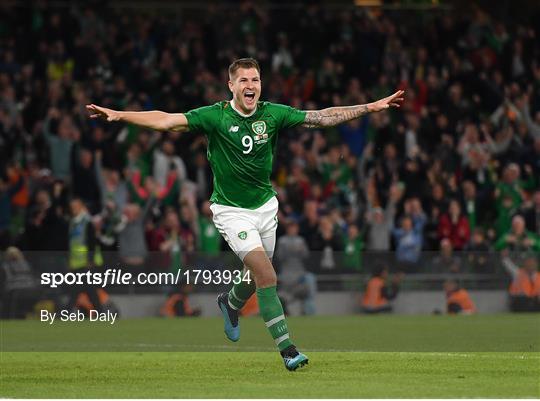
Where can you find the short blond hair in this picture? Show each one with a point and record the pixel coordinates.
(243, 63)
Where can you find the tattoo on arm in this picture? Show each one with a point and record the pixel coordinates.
(333, 116)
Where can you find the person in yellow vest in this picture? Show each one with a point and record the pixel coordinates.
(458, 300)
(524, 290)
(83, 252)
(379, 294)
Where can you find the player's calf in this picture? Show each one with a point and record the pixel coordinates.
(231, 303)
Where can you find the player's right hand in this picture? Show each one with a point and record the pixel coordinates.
(102, 112)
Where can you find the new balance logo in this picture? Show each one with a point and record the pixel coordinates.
(234, 128)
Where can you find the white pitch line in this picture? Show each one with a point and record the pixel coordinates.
(457, 354)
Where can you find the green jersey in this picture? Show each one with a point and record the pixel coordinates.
(241, 149)
(210, 238)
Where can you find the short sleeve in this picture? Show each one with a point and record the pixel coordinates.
(288, 116)
(203, 119)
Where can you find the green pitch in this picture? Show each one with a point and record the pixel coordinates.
(356, 356)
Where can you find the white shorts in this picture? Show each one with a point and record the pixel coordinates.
(246, 229)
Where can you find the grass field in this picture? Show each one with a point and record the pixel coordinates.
(357, 356)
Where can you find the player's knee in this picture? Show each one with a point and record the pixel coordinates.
(260, 266)
(266, 278)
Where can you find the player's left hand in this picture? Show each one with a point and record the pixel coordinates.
(394, 100)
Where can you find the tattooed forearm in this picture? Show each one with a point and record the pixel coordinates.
(333, 116)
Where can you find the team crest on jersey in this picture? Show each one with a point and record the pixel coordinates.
(259, 127)
(242, 235)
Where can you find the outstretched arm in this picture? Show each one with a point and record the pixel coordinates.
(337, 115)
(157, 120)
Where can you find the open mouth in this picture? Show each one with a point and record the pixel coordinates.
(249, 97)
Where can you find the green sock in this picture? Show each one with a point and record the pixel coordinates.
(272, 313)
(240, 293)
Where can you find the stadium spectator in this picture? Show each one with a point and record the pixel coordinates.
(380, 292)
(111, 186)
(458, 300)
(446, 261)
(436, 205)
(201, 176)
(19, 289)
(209, 239)
(352, 250)
(106, 226)
(470, 130)
(454, 226)
(20, 199)
(509, 195)
(7, 192)
(518, 239)
(478, 253)
(380, 222)
(310, 223)
(531, 214)
(296, 283)
(327, 244)
(46, 229)
(84, 181)
(83, 303)
(164, 161)
(142, 188)
(472, 206)
(83, 252)
(178, 305)
(61, 143)
(524, 290)
(189, 229)
(409, 237)
(132, 247)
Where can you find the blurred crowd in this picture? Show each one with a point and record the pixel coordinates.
(457, 168)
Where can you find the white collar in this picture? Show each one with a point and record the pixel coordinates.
(242, 114)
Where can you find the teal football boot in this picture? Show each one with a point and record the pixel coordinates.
(230, 317)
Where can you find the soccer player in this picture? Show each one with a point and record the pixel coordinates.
(242, 134)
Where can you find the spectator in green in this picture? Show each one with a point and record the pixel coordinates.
(334, 169)
(209, 241)
(172, 244)
(141, 189)
(518, 238)
(352, 258)
(505, 210)
(471, 205)
(510, 185)
(509, 195)
(140, 154)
